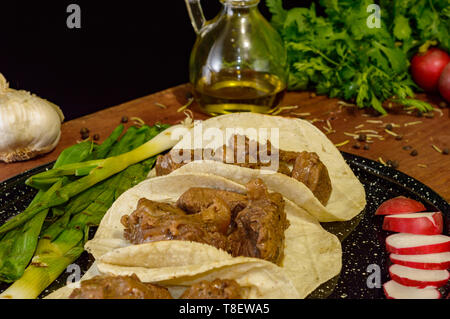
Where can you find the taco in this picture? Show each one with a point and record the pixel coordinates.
(178, 229)
(241, 280)
(310, 171)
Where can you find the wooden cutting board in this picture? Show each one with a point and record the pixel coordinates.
(341, 123)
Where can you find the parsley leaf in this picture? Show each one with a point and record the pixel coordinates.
(340, 55)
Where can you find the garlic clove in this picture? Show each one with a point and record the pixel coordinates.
(29, 126)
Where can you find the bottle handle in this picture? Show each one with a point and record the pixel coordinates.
(195, 11)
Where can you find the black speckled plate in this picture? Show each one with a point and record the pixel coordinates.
(362, 238)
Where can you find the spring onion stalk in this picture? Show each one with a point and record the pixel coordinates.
(105, 169)
(44, 184)
(22, 243)
(38, 275)
(84, 155)
(104, 148)
(18, 245)
(62, 242)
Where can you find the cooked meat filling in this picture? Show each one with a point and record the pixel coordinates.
(130, 287)
(305, 167)
(119, 287)
(154, 221)
(312, 172)
(250, 225)
(217, 289)
(196, 200)
(260, 225)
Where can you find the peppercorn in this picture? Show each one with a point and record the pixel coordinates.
(96, 137)
(124, 119)
(389, 126)
(362, 137)
(445, 151)
(414, 153)
(357, 146)
(84, 132)
(366, 147)
(407, 148)
(398, 137)
(395, 164)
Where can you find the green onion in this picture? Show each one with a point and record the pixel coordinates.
(105, 168)
(18, 245)
(62, 242)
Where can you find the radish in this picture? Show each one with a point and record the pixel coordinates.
(426, 68)
(438, 261)
(444, 83)
(419, 223)
(419, 278)
(394, 290)
(412, 244)
(400, 205)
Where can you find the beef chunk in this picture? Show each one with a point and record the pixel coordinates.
(119, 287)
(217, 289)
(166, 165)
(309, 170)
(249, 225)
(260, 225)
(307, 166)
(130, 287)
(154, 221)
(198, 199)
(258, 221)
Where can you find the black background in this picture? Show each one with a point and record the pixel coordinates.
(124, 50)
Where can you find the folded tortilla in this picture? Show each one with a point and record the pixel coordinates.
(258, 279)
(311, 255)
(347, 198)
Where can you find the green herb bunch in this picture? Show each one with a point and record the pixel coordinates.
(341, 56)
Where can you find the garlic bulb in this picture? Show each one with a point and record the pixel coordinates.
(29, 125)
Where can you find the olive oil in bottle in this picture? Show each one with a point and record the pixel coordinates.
(230, 91)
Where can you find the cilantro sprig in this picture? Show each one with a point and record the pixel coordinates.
(341, 56)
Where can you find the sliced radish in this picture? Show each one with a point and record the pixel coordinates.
(418, 223)
(400, 205)
(419, 278)
(412, 244)
(438, 261)
(394, 290)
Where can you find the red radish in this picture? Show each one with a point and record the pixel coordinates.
(412, 244)
(419, 223)
(438, 261)
(426, 68)
(444, 83)
(394, 290)
(419, 278)
(400, 205)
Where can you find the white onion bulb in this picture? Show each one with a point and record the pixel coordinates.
(29, 125)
